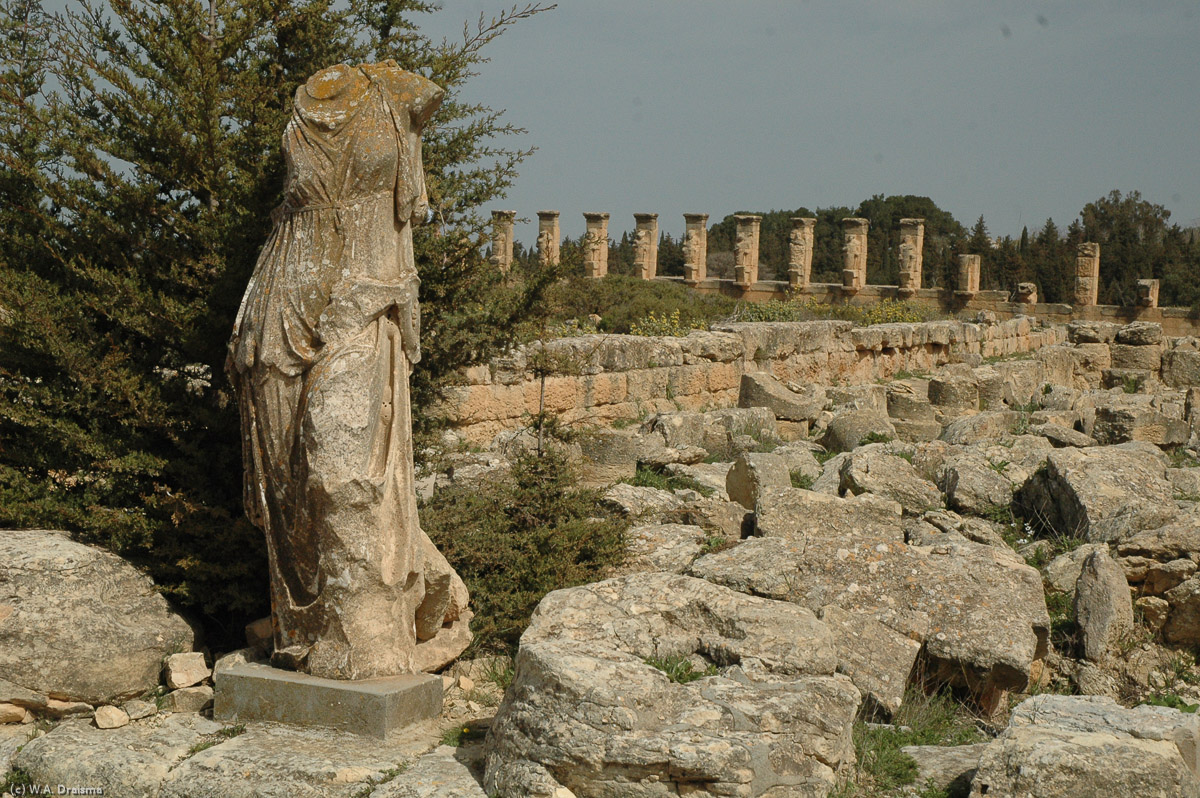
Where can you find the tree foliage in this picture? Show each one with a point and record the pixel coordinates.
(139, 161)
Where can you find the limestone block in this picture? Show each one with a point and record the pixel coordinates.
(872, 470)
(981, 427)
(1103, 493)
(669, 548)
(877, 659)
(1140, 333)
(972, 486)
(137, 709)
(609, 456)
(812, 562)
(1181, 368)
(57, 640)
(1142, 357)
(1092, 332)
(1061, 574)
(11, 713)
(1103, 605)
(109, 717)
(762, 390)
(954, 395)
(950, 768)
(585, 710)
(751, 473)
(1154, 612)
(185, 670)
(188, 699)
(849, 429)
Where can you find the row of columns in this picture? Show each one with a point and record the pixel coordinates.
(800, 254)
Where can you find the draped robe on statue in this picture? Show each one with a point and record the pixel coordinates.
(321, 355)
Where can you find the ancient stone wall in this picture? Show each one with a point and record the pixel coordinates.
(608, 378)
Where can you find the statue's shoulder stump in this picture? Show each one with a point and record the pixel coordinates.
(371, 707)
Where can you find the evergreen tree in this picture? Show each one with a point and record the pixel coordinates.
(136, 195)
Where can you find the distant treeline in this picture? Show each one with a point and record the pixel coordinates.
(1136, 241)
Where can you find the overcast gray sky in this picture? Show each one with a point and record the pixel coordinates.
(1015, 110)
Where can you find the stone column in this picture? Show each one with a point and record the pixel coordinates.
(1027, 293)
(912, 246)
(645, 245)
(968, 276)
(548, 239)
(1147, 293)
(695, 248)
(854, 249)
(595, 245)
(745, 250)
(1087, 273)
(800, 252)
(502, 239)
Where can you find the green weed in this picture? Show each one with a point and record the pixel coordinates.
(680, 669)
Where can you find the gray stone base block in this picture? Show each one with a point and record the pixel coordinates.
(371, 707)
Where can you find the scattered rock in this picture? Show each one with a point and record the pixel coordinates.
(871, 470)
(445, 772)
(850, 429)
(1071, 746)
(58, 640)
(188, 699)
(978, 610)
(664, 547)
(586, 712)
(1103, 606)
(137, 709)
(759, 389)
(949, 768)
(11, 713)
(877, 659)
(1105, 493)
(185, 670)
(751, 473)
(110, 717)
(973, 485)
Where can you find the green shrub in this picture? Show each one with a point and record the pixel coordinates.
(647, 477)
(679, 669)
(883, 312)
(1170, 700)
(922, 719)
(514, 541)
(622, 301)
(801, 480)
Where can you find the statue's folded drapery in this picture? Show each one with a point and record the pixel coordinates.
(321, 355)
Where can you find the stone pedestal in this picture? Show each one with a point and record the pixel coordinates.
(695, 248)
(968, 276)
(1027, 293)
(745, 250)
(370, 707)
(1087, 274)
(800, 252)
(595, 245)
(502, 239)
(548, 239)
(854, 251)
(1147, 293)
(912, 245)
(645, 246)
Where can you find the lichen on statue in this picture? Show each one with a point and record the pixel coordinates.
(322, 350)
